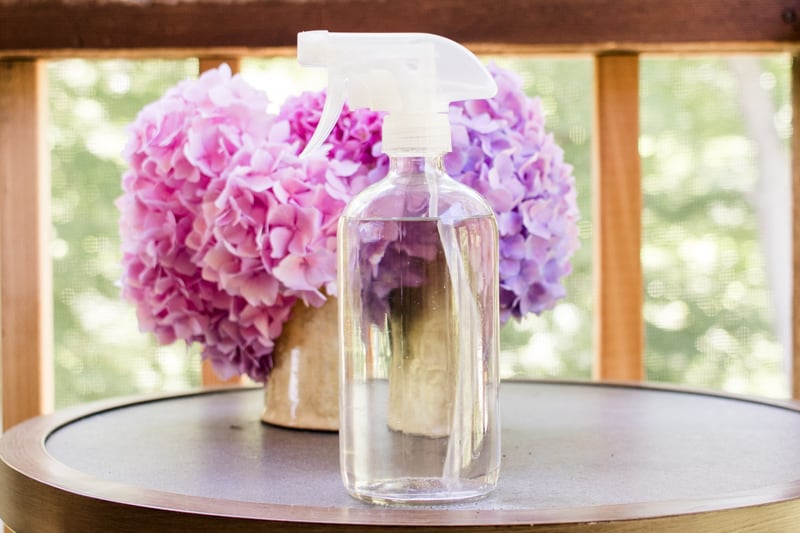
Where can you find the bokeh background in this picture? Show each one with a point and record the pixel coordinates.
(716, 222)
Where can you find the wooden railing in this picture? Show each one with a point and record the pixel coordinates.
(615, 32)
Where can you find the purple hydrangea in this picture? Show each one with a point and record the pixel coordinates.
(224, 229)
(502, 150)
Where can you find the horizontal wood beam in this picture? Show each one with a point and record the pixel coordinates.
(45, 28)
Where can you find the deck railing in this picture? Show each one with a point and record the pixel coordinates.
(614, 32)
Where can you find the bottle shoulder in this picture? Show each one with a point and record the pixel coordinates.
(418, 197)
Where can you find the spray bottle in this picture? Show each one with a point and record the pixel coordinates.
(417, 278)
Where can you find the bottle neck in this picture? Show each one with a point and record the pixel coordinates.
(416, 165)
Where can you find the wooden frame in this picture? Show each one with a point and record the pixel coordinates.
(47, 28)
(617, 206)
(613, 30)
(26, 307)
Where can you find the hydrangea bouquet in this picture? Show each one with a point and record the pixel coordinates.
(224, 229)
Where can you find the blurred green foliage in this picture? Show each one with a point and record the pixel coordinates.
(709, 313)
(693, 147)
(98, 349)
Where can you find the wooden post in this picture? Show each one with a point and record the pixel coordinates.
(26, 303)
(795, 146)
(208, 376)
(617, 197)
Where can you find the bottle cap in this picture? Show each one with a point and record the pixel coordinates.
(411, 76)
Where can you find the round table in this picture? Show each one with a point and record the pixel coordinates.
(576, 457)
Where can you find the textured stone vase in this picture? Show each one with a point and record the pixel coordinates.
(303, 388)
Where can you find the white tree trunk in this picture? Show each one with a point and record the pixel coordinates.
(772, 194)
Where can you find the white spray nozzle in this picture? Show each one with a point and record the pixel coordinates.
(412, 76)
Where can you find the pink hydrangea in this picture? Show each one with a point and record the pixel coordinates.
(177, 148)
(223, 228)
(353, 147)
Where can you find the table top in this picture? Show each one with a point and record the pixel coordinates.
(588, 456)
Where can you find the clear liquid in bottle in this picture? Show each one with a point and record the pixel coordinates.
(419, 377)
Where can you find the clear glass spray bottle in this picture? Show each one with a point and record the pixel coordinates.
(418, 280)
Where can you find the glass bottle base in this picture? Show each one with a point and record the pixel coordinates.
(419, 491)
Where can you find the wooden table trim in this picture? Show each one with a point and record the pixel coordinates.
(41, 494)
